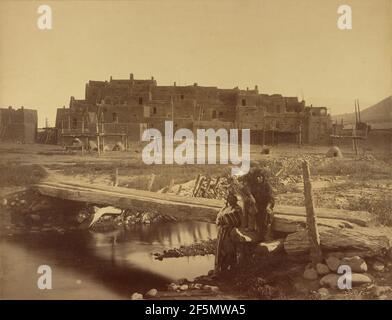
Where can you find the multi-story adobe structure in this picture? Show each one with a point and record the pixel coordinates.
(18, 125)
(121, 109)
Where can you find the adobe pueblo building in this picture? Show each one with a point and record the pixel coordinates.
(120, 110)
(18, 125)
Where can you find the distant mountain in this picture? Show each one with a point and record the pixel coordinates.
(379, 116)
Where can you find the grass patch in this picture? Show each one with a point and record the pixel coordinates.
(20, 175)
(381, 207)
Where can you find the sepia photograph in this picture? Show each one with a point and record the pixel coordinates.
(204, 150)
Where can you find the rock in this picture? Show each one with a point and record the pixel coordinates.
(356, 263)
(378, 266)
(330, 280)
(378, 291)
(360, 279)
(310, 274)
(198, 286)
(12, 203)
(137, 296)
(214, 288)
(322, 269)
(323, 291)
(4, 202)
(184, 287)
(383, 297)
(333, 263)
(173, 287)
(23, 201)
(151, 293)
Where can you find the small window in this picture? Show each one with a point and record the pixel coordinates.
(220, 113)
(213, 114)
(140, 100)
(74, 123)
(154, 110)
(115, 117)
(243, 102)
(182, 97)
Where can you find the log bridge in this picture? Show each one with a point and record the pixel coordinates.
(350, 227)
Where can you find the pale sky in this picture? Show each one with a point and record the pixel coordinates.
(292, 47)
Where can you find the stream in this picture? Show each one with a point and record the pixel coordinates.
(93, 265)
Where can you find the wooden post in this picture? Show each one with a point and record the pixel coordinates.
(98, 142)
(170, 187)
(355, 143)
(179, 189)
(151, 182)
(311, 221)
(115, 182)
(195, 186)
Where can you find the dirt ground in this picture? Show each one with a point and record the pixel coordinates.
(356, 182)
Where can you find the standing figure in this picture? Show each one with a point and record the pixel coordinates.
(260, 199)
(229, 217)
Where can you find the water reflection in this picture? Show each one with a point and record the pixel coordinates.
(102, 265)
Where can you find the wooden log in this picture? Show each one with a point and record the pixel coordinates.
(291, 224)
(294, 217)
(361, 218)
(311, 220)
(366, 240)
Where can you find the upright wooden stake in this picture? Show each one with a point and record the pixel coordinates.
(115, 182)
(195, 186)
(151, 182)
(98, 142)
(170, 187)
(311, 221)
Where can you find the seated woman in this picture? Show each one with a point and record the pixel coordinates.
(229, 217)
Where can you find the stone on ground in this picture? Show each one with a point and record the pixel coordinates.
(378, 266)
(333, 263)
(310, 274)
(356, 263)
(137, 296)
(334, 152)
(151, 293)
(323, 291)
(184, 287)
(360, 279)
(330, 280)
(322, 269)
(378, 291)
